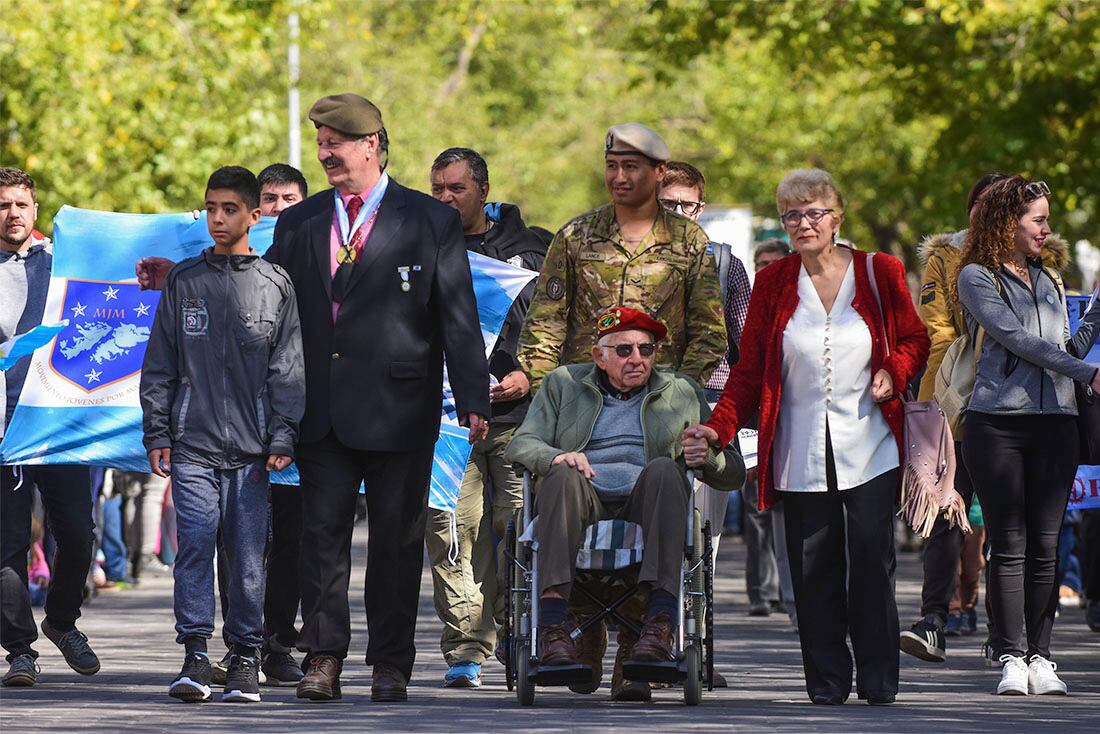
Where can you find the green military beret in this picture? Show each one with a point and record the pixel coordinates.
(632, 137)
(347, 113)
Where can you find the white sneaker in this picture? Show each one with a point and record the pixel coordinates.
(1041, 678)
(1014, 677)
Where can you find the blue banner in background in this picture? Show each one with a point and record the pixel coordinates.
(80, 403)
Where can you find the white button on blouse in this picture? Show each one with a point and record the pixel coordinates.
(827, 377)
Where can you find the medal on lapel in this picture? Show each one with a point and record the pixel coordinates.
(403, 271)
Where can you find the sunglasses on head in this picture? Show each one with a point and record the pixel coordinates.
(1036, 189)
(646, 349)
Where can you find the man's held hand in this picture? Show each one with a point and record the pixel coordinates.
(152, 272)
(697, 442)
(479, 427)
(278, 462)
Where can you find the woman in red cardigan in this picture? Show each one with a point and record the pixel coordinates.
(814, 363)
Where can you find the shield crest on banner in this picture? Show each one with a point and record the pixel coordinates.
(109, 327)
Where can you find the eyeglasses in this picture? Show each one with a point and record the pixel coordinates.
(793, 218)
(1036, 189)
(687, 208)
(646, 349)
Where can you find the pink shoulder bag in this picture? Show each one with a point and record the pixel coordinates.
(928, 466)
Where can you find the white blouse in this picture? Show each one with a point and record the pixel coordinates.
(827, 376)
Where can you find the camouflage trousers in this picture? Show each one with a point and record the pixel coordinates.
(469, 590)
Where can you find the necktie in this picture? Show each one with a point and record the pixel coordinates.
(348, 253)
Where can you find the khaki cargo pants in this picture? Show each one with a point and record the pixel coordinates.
(469, 598)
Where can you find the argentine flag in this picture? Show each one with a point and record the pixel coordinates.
(79, 403)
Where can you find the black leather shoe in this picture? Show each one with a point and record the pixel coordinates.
(388, 685)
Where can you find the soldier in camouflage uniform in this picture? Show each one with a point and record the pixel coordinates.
(594, 263)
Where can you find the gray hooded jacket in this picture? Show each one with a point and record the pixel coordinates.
(1028, 362)
(223, 381)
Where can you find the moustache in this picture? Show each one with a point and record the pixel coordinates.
(332, 162)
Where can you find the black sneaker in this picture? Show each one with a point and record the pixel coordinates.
(280, 669)
(23, 671)
(925, 640)
(242, 679)
(192, 685)
(74, 646)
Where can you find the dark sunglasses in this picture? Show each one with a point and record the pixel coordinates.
(646, 349)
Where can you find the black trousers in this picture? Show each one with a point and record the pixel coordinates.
(397, 497)
(283, 593)
(941, 551)
(67, 496)
(1022, 467)
(1089, 538)
(841, 547)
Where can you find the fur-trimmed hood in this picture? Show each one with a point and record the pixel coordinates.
(1055, 249)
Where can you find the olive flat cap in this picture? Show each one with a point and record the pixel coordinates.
(633, 137)
(347, 113)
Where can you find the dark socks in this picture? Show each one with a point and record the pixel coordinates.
(244, 651)
(553, 611)
(194, 644)
(662, 602)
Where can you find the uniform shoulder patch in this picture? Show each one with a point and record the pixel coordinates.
(555, 288)
(927, 297)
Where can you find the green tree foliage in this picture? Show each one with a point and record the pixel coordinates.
(127, 105)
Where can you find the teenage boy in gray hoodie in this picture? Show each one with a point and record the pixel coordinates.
(222, 391)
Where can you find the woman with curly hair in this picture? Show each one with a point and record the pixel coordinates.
(1020, 436)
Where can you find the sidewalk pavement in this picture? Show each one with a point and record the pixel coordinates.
(132, 631)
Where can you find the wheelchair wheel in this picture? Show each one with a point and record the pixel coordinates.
(525, 689)
(693, 683)
(508, 629)
(707, 629)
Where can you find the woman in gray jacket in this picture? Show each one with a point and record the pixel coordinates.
(1020, 438)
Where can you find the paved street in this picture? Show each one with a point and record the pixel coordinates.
(132, 632)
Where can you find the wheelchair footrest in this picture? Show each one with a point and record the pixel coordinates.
(650, 672)
(559, 675)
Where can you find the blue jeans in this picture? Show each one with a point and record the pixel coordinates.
(236, 500)
(114, 549)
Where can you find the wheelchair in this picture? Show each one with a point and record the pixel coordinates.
(604, 584)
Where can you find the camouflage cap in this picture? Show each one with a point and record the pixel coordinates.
(635, 138)
(347, 113)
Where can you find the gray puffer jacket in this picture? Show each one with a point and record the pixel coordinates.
(223, 381)
(1028, 362)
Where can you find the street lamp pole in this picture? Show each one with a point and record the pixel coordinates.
(294, 132)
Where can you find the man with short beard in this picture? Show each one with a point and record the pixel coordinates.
(25, 265)
(469, 591)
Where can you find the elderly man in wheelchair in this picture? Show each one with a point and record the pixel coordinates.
(603, 440)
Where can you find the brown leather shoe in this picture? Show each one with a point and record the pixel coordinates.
(590, 651)
(388, 684)
(322, 679)
(622, 689)
(655, 643)
(558, 647)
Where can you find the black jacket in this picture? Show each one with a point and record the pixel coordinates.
(375, 377)
(222, 379)
(512, 241)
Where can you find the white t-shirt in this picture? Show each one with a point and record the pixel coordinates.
(827, 375)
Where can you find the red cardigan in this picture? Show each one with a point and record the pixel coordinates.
(755, 382)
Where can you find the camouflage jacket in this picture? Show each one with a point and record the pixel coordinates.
(589, 269)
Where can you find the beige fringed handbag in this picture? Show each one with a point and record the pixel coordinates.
(928, 466)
